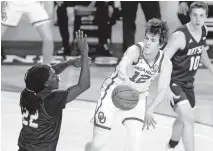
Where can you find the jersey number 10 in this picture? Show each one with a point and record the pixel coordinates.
(194, 63)
(30, 122)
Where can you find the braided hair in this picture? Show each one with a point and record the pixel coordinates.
(35, 79)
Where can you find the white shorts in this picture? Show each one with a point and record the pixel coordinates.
(11, 13)
(106, 110)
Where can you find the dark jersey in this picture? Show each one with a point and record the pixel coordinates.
(185, 62)
(40, 132)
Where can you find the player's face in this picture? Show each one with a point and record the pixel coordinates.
(53, 80)
(198, 17)
(151, 43)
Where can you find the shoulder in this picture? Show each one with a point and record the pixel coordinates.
(134, 49)
(59, 93)
(57, 98)
(133, 52)
(178, 35)
(178, 39)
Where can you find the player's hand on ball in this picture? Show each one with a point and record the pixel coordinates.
(82, 42)
(149, 119)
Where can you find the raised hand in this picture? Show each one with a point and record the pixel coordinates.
(81, 40)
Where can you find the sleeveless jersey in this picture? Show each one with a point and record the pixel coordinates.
(40, 131)
(185, 62)
(141, 73)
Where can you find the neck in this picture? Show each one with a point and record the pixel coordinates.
(151, 57)
(47, 89)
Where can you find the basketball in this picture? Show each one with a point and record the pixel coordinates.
(124, 97)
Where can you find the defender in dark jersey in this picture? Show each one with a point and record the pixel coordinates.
(186, 48)
(42, 104)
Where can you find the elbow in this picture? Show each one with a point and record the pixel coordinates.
(88, 84)
(85, 86)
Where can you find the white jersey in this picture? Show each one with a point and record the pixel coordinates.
(12, 12)
(24, 2)
(140, 74)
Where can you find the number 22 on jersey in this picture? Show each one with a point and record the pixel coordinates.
(28, 120)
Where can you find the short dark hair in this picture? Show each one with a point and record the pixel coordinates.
(199, 4)
(35, 79)
(156, 26)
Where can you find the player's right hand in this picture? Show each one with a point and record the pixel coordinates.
(183, 8)
(171, 97)
(149, 118)
(81, 40)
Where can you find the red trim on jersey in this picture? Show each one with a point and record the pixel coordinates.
(40, 21)
(97, 108)
(132, 118)
(7, 25)
(161, 60)
(156, 59)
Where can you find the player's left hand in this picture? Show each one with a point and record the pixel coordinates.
(149, 119)
(81, 40)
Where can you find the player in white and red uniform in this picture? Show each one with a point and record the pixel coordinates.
(140, 64)
(11, 13)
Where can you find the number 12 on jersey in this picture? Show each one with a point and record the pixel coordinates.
(194, 63)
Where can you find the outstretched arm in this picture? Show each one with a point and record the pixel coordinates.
(84, 80)
(163, 86)
(163, 82)
(176, 41)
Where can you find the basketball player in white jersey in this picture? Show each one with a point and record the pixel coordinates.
(140, 64)
(12, 11)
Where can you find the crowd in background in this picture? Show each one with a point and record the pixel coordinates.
(105, 15)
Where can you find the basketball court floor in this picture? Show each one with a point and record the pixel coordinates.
(76, 128)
